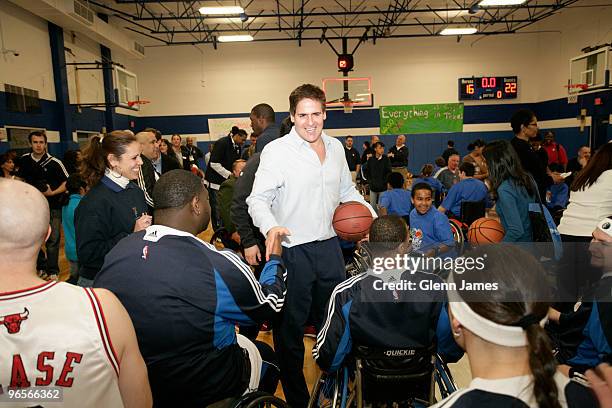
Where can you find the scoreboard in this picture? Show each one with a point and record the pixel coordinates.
(478, 88)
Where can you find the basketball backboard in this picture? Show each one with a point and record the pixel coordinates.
(339, 91)
(126, 87)
(590, 71)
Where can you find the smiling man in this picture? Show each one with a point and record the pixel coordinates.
(301, 179)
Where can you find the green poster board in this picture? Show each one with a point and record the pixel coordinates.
(433, 118)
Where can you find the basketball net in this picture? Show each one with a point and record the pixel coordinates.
(348, 106)
(573, 90)
(140, 102)
(581, 87)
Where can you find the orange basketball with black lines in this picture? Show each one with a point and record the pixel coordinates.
(352, 221)
(485, 231)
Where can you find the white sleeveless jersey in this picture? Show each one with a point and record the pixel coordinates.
(54, 335)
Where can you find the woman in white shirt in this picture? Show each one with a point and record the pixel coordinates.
(501, 331)
(590, 201)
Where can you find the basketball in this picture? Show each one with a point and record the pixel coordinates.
(352, 221)
(485, 231)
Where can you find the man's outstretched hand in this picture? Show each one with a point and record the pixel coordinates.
(274, 239)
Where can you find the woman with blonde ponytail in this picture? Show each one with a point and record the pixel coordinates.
(114, 206)
(501, 330)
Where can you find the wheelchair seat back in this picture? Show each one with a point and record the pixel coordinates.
(395, 374)
(471, 211)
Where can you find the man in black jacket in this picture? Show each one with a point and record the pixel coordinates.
(49, 176)
(398, 155)
(193, 152)
(352, 157)
(378, 168)
(251, 238)
(525, 127)
(225, 153)
(262, 122)
(148, 175)
(450, 150)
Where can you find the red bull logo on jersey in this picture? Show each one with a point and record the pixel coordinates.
(12, 322)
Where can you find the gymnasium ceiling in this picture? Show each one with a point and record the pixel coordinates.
(160, 22)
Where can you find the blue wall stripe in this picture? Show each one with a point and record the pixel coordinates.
(336, 119)
(426, 146)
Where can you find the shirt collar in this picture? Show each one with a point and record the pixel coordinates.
(113, 182)
(298, 141)
(399, 147)
(44, 157)
(155, 232)
(513, 386)
(428, 211)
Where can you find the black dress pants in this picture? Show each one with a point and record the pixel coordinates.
(313, 271)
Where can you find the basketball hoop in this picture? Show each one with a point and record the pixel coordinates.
(137, 102)
(348, 106)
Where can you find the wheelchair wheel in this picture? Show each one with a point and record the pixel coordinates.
(259, 399)
(332, 391)
(457, 230)
(444, 378)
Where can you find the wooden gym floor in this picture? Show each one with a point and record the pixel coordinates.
(460, 370)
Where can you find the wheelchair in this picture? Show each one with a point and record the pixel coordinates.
(470, 212)
(384, 377)
(256, 399)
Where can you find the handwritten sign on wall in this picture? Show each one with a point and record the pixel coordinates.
(217, 128)
(431, 118)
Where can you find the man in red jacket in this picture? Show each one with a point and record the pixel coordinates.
(556, 152)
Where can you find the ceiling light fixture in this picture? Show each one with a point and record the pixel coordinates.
(459, 31)
(500, 3)
(234, 38)
(217, 11)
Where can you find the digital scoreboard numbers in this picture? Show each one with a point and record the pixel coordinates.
(479, 88)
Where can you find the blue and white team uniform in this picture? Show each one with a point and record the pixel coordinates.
(185, 299)
(361, 312)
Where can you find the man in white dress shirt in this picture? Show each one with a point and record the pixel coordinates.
(301, 179)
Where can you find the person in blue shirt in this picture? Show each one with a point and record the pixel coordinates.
(513, 188)
(396, 200)
(428, 227)
(468, 189)
(76, 187)
(557, 195)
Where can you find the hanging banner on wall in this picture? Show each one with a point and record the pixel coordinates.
(217, 128)
(432, 118)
